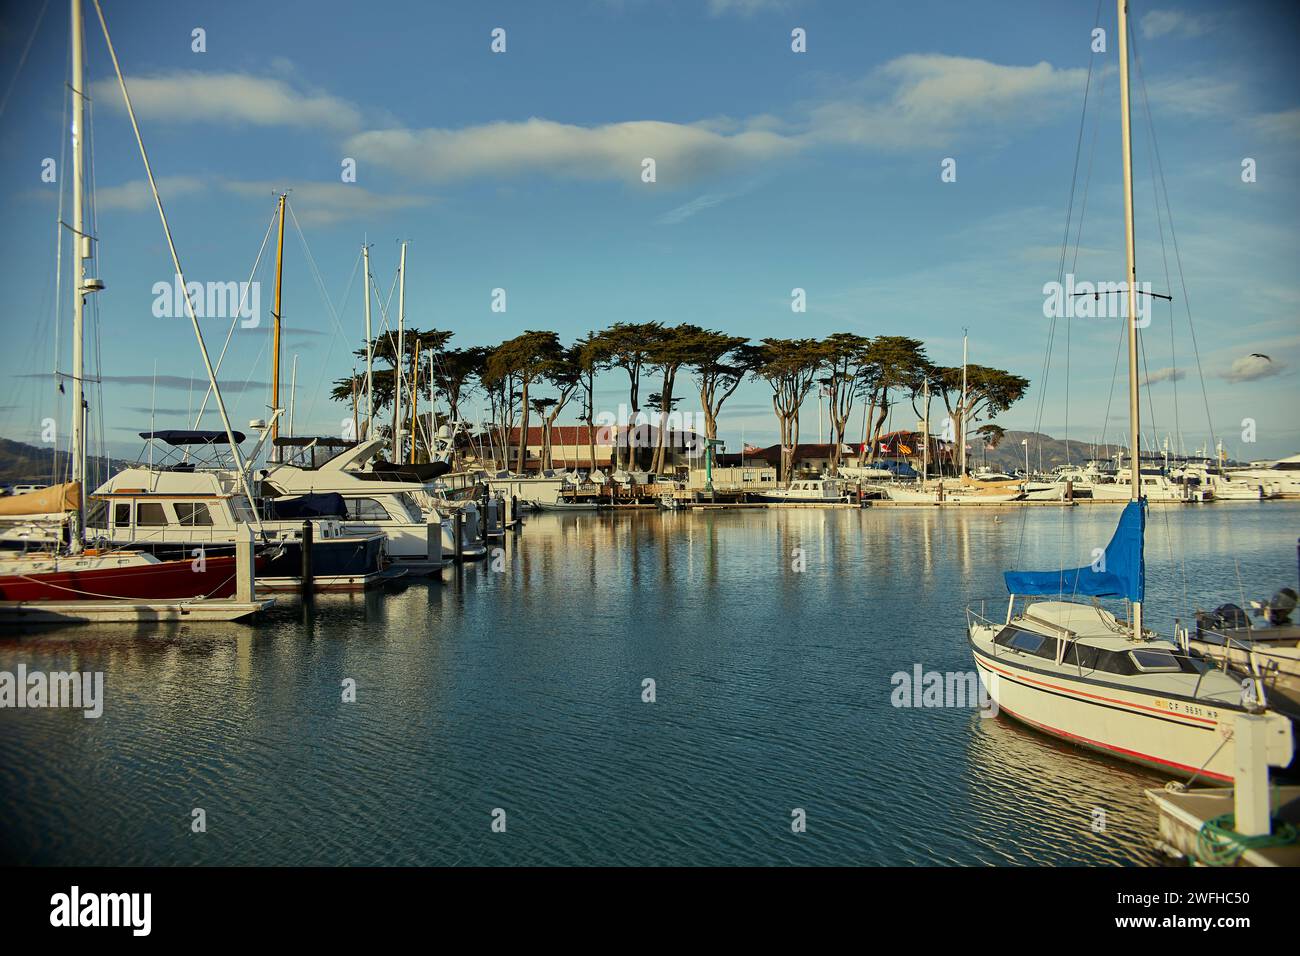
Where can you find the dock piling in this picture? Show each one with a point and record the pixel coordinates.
(1250, 796)
(308, 536)
(433, 537)
(245, 584)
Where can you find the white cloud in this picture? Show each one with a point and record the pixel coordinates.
(685, 211)
(229, 98)
(1165, 375)
(135, 195)
(919, 101)
(317, 203)
(1284, 125)
(612, 151)
(915, 101)
(1248, 368)
(1196, 96)
(1159, 23)
(931, 99)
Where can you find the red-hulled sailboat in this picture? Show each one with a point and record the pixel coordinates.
(72, 570)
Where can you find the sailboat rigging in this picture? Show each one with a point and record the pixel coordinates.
(1073, 669)
(74, 571)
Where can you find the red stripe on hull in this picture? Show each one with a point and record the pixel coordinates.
(1123, 753)
(165, 581)
(1130, 755)
(1085, 697)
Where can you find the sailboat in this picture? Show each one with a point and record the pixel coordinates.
(76, 570)
(1075, 670)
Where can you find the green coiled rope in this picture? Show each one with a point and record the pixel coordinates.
(1218, 844)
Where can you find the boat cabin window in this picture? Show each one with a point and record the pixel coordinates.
(193, 514)
(1027, 641)
(1090, 658)
(1141, 661)
(122, 515)
(1148, 661)
(366, 509)
(150, 514)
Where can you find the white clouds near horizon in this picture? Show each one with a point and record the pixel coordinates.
(913, 101)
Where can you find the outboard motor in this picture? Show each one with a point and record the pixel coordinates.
(1279, 607)
(1231, 616)
(1226, 617)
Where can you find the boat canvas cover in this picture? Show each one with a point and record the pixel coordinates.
(52, 500)
(421, 473)
(1118, 573)
(180, 437)
(324, 505)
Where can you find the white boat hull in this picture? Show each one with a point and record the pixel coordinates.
(916, 495)
(1169, 734)
(776, 497)
(579, 506)
(1122, 492)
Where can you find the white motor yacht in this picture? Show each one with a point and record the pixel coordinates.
(1279, 479)
(806, 490)
(390, 500)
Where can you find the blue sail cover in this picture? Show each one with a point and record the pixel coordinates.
(1119, 574)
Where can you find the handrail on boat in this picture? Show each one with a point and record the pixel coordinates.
(1252, 670)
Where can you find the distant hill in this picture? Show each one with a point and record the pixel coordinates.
(1010, 454)
(21, 463)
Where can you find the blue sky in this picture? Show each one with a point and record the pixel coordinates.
(775, 170)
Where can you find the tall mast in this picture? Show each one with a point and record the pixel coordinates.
(370, 348)
(925, 434)
(961, 434)
(81, 251)
(415, 398)
(293, 393)
(401, 354)
(241, 467)
(275, 344)
(1134, 426)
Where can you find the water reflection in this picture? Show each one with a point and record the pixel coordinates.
(516, 682)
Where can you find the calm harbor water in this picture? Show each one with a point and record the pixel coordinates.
(520, 689)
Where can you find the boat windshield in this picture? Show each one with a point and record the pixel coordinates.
(407, 501)
(243, 513)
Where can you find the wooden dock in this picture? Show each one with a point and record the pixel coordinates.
(885, 503)
(335, 582)
(1184, 814)
(128, 612)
